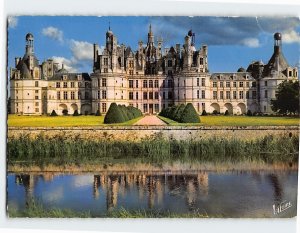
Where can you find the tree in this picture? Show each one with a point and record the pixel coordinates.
(249, 113)
(179, 112)
(114, 115)
(53, 113)
(287, 98)
(76, 113)
(98, 113)
(65, 112)
(189, 115)
(226, 113)
(204, 113)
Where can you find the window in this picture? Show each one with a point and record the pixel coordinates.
(203, 82)
(145, 84)
(65, 95)
(145, 107)
(247, 84)
(86, 84)
(57, 84)
(150, 83)
(170, 95)
(150, 95)
(156, 95)
(241, 84)
(145, 95)
(214, 95)
(131, 95)
(253, 94)
(156, 84)
(164, 95)
(130, 83)
(98, 95)
(79, 95)
(169, 63)
(266, 93)
(36, 97)
(203, 94)
(214, 84)
(79, 84)
(86, 95)
(201, 60)
(198, 94)
(104, 82)
(98, 82)
(36, 91)
(103, 107)
(266, 83)
(65, 84)
(290, 73)
(36, 83)
(37, 110)
(227, 94)
(105, 61)
(198, 82)
(136, 83)
(105, 70)
(241, 95)
(234, 84)
(221, 95)
(103, 94)
(221, 84)
(136, 95)
(164, 83)
(227, 84)
(234, 94)
(36, 104)
(253, 84)
(203, 106)
(247, 94)
(131, 64)
(58, 95)
(72, 95)
(72, 84)
(156, 107)
(170, 83)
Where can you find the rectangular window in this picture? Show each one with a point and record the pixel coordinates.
(228, 95)
(247, 84)
(203, 106)
(98, 95)
(72, 95)
(98, 81)
(72, 84)
(136, 83)
(266, 93)
(266, 83)
(131, 95)
(36, 83)
(57, 84)
(247, 94)
(105, 61)
(221, 95)
(170, 83)
(65, 84)
(130, 83)
(203, 82)
(214, 84)
(86, 95)
(145, 96)
(103, 107)
(150, 95)
(164, 83)
(79, 95)
(253, 94)
(253, 84)
(156, 95)
(234, 94)
(36, 104)
(103, 94)
(150, 83)
(105, 70)
(227, 84)
(36, 97)
(136, 95)
(104, 82)
(203, 94)
(241, 95)
(65, 95)
(170, 95)
(169, 63)
(145, 107)
(131, 64)
(198, 94)
(234, 84)
(145, 84)
(37, 110)
(36, 91)
(221, 84)
(156, 107)
(79, 84)
(156, 84)
(201, 60)
(214, 95)
(241, 84)
(58, 95)
(164, 95)
(198, 82)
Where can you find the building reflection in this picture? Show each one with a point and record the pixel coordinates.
(28, 181)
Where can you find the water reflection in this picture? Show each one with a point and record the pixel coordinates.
(238, 194)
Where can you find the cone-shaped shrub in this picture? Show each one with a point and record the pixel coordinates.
(249, 113)
(179, 112)
(75, 113)
(204, 113)
(114, 115)
(189, 115)
(226, 113)
(53, 113)
(98, 113)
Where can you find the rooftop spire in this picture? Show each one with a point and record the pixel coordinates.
(109, 26)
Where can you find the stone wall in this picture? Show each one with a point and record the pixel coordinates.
(134, 133)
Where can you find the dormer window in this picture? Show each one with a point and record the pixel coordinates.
(79, 77)
(65, 77)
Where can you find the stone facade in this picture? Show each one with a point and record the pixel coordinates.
(152, 78)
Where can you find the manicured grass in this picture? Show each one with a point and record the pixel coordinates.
(238, 121)
(61, 121)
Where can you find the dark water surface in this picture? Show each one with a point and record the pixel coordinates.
(226, 194)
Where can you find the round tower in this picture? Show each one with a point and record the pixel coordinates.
(29, 43)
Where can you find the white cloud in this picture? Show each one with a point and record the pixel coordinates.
(251, 42)
(53, 33)
(291, 37)
(12, 21)
(69, 64)
(82, 50)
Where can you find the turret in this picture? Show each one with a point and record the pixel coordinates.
(277, 43)
(29, 44)
(150, 36)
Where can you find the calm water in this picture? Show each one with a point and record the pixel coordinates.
(230, 194)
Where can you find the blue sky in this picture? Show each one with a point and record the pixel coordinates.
(232, 41)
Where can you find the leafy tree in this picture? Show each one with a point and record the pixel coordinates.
(114, 115)
(287, 98)
(189, 115)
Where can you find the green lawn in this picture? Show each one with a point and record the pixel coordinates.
(239, 121)
(63, 121)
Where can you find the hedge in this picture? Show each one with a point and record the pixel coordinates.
(181, 113)
(121, 113)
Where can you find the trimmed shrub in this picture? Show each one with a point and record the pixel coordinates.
(226, 113)
(65, 112)
(114, 115)
(53, 113)
(189, 115)
(204, 113)
(179, 112)
(76, 113)
(249, 113)
(215, 112)
(98, 113)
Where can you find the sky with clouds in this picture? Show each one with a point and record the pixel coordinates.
(232, 41)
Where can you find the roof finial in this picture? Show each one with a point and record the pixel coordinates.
(109, 25)
(150, 28)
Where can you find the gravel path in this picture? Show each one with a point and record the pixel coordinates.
(150, 120)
